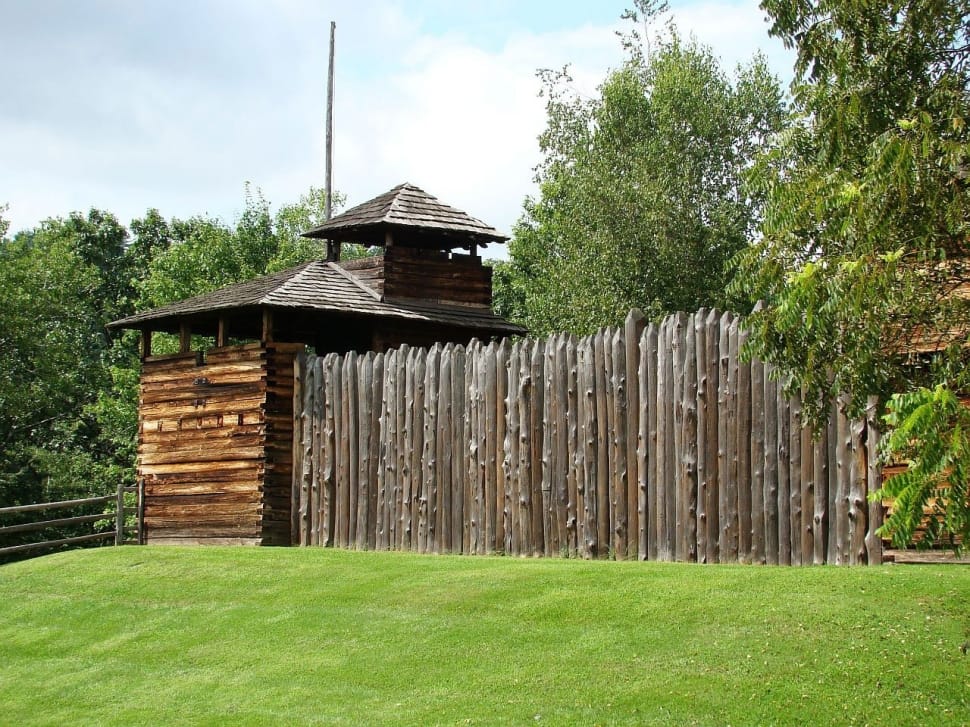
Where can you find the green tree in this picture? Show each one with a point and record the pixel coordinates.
(641, 199)
(51, 340)
(203, 254)
(864, 243)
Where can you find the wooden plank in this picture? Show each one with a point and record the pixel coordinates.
(459, 418)
(772, 514)
(643, 444)
(512, 462)
(411, 446)
(388, 482)
(318, 452)
(586, 484)
(621, 466)
(633, 327)
(443, 500)
(820, 497)
(41, 524)
(365, 393)
(784, 462)
(794, 477)
(677, 517)
(395, 457)
(487, 406)
(807, 495)
(601, 463)
(471, 533)
(652, 444)
(342, 458)
(537, 534)
(607, 527)
(550, 432)
(196, 467)
(727, 403)
(750, 457)
(413, 442)
(192, 455)
(427, 500)
(857, 507)
(376, 466)
(303, 395)
(843, 475)
(664, 439)
(687, 542)
(537, 394)
(525, 400)
(328, 447)
(58, 505)
(352, 399)
(11, 549)
(712, 342)
(502, 536)
(873, 541)
(573, 446)
(704, 484)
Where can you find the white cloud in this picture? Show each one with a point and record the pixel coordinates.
(127, 106)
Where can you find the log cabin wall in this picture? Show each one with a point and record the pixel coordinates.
(428, 275)
(436, 276)
(214, 445)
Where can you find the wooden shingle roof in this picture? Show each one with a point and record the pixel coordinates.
(323, 287)
(412, 216)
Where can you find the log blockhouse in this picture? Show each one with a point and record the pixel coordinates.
(215, 437)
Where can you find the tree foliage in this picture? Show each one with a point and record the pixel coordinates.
(641, 196)
(864, 241)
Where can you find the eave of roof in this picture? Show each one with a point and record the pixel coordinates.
(322, 287)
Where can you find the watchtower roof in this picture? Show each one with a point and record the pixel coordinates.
(325, 288)
(413, 217)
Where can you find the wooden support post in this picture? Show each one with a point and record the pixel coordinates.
(120, 515)
(185, 337)
(267, 336)
(146, 343)
(222, 336)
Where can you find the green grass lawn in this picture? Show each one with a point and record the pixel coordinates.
(167, 636)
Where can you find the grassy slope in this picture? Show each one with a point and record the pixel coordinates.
(299, 636)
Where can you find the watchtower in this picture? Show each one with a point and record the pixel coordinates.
(215, 426)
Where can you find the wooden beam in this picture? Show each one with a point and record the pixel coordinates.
(388, 239)
(267, 336)
(222, 336)
(185, 337)
(146, 343)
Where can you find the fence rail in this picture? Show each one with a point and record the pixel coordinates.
(118, 534)
(649, 441)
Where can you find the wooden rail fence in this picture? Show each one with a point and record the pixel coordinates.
(650, 441)
(117, 534)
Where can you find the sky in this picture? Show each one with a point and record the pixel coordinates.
(127, 106)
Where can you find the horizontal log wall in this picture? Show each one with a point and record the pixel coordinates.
(652, 441)
(214, 445)
(432, 275)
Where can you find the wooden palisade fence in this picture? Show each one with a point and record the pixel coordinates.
(651, 441)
